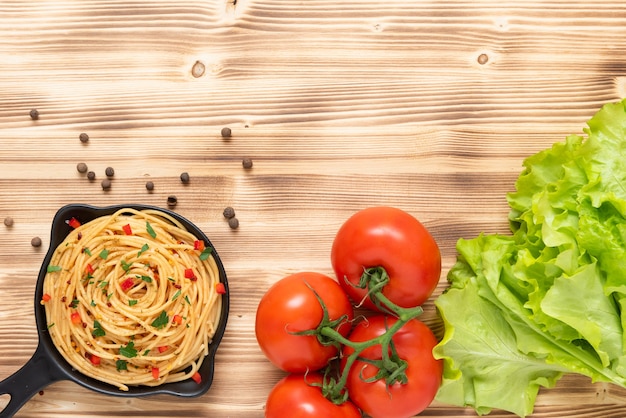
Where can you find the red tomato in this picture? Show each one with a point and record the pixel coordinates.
(295, 397)
(290, 306)
(393, 239)
(414, 343)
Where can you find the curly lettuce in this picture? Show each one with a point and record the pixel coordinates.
(524, 309)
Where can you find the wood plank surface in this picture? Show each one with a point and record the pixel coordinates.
(427, 106)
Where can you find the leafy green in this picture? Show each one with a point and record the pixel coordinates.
(524, 309)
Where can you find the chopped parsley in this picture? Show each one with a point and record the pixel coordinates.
(126, 266)
(176, 295)
(143, 249)
(104, 254)
(121, 365)
(206, 253)
(161, 320)
(98, 331)
(146, 279)
(52, 269)
(87, 251)
(187, 299)
(74, 304)
(128, 350)
(132, 302)
(150, 230)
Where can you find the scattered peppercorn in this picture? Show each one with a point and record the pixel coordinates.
(172, 201)
(109, 172)
(233, 223)
(83, 137)
(41, 393)
(35, 242)
(229, 212)
(91, 175)
(226, 132)
(184, 177)
(34, 114)
(8, 221)
(81, 167)
(106, 184)
(149, 186)
(247, 163)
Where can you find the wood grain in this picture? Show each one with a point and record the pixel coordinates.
(427, 106)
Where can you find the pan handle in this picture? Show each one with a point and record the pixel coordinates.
(35, 375)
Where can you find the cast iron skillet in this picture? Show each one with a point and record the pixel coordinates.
(47, 365)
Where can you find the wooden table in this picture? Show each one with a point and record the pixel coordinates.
(427, 106)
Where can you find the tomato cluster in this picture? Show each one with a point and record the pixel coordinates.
(382, 364)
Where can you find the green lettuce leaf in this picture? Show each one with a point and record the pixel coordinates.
(522, 310)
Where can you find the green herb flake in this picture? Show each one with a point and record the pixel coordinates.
(150, 230)
(161, 321)
(103, 284)
(98, 331)
(128, 350)
(132, 302)
(176, 295)
(74, 303)
(104, 254)
(93, 303)
(52, 269)
(87, 251)
(126, 266)
(146, 279)
(50, 325)
(187, 299)
(121, 365)
(206, 253)
(145, 353)
(143, 249)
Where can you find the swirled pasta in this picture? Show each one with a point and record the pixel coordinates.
(133, 298)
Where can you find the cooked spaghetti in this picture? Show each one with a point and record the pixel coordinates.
(133, 298)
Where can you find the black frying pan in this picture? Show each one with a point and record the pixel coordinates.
(47, 365)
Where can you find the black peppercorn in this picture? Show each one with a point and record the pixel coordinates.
(109, 172)
(35, 242)
(8, 221)
(149, 185)
(34, 114)
(184, 177)
(172, 201)
(83, 137)
(91, 175)
(233, 223)
(247, 163)
(81, 167)
(226, 132)
(229, 212)
(106, 184)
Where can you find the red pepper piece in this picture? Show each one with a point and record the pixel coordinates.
(127, 284)
(162, 348)
(46, 297)
(220, 288)
(189, 274)
(197, 378)
(127, 229)
(89, 269)
(73, 222)
(95, 360)
(75, 317)
(198, 245)
(155, 372)
(177, 319)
